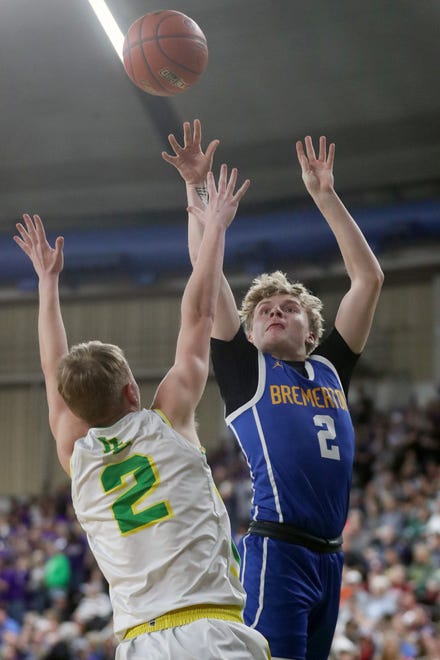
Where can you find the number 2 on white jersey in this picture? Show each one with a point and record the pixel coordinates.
(327, 433)
(127, 507)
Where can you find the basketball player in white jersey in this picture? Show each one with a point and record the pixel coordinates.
(141, 486)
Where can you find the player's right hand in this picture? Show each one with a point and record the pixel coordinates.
(189, 160)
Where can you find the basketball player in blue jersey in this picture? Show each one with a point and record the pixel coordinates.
(141, 487)
(285, 397)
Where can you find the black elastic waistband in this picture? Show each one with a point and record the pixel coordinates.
(289, 534)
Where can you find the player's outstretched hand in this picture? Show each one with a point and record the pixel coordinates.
(189, 160)
(317, 172)
(223, 201)
(32, 240)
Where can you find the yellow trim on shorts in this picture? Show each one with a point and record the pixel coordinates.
(186, 615)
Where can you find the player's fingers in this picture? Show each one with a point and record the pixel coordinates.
(310, 151)
(194, 210)
(331, 155)
(39, 227)
(21, 244)
(197, 131)
(27, 218)
(322, 148)
(168, 158)
(211, 184)
(174, 144)
(187, 137)
(30, 226)
(59, 244)
(23, 232)
(241, 191)
(211, 149)
(302, 158)
(222, 178)
(232, 181)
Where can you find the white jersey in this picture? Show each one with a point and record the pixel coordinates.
(154, 520)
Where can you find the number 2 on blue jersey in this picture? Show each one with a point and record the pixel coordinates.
(327, 433)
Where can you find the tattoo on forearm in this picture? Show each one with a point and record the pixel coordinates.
(202, 192)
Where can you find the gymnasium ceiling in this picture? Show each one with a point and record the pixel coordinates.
(80, 144)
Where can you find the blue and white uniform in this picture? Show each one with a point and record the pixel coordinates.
(293, 425)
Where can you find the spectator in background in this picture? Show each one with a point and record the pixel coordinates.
(57, 572)
(9, 627)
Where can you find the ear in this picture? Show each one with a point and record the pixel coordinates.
(131, 393)
(310, 339)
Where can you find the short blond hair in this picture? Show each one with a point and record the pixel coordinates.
(91, 378)
(271, 284)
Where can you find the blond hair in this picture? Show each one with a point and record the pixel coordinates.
(271, 284)
(91, 378)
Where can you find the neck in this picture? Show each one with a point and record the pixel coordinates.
(112, 419)
(288, 357)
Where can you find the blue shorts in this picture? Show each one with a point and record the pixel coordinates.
(293, 596)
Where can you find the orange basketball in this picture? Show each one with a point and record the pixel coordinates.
(165, 52)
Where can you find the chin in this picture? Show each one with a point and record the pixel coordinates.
(270, 347)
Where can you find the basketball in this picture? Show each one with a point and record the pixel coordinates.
(165, 52)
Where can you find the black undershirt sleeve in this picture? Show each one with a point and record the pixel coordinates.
(235, 366)
(335, 349)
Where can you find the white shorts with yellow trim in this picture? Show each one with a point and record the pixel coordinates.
(204, 639)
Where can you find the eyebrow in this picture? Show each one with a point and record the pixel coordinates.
(286, 301)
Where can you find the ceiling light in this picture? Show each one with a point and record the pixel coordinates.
(109, 25)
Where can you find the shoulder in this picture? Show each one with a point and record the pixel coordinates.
(238, 345)
(238, 354)
(235, 365)
(67, 429)
(336, 350)
(334, 347)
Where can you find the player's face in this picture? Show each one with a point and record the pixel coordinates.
(281, 327)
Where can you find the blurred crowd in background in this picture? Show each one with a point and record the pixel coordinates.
(54, 603)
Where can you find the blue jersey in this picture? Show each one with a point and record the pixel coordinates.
(298, 439)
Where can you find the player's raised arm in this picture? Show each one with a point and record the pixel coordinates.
(180, 391)
(193, 165)
(48, 264)
(356, 311)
